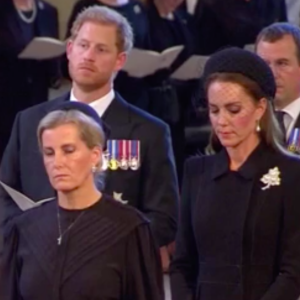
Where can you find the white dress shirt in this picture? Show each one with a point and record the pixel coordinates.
(293, 11)
(100, 105)
(191, 6)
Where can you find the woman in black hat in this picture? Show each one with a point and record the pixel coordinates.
(82, 245)
(239, 236)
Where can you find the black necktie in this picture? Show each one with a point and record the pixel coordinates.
(280, 117)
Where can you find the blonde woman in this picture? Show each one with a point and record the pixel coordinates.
(83, 244)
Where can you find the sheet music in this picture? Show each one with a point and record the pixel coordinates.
(23, 202)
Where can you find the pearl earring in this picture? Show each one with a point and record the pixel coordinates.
(258, 129)
(94, 169)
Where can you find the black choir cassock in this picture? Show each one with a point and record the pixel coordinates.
(23, 82)
(152, 188)
(170, 99)
(239, 235)
(134, 90)
(219, 23)
(108, 254)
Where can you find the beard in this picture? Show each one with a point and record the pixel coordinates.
(89, 83)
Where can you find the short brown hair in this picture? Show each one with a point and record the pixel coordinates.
(277, 31)
(270, 129)
(106, 16)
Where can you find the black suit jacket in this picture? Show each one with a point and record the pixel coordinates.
(152, 188)
(23, 82)
(237, 239)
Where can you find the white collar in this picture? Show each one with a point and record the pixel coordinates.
(101, 104)
(293, 109)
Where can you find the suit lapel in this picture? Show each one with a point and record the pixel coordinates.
(54, 102)
(118, 118)
(297, 123)
(292, 142)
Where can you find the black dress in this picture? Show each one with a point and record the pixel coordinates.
(239, 236)
(108, 254)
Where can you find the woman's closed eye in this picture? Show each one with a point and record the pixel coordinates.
(213, 109)
(233, 108)
(48, 152)
(68, 149)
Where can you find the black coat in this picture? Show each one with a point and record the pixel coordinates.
(152, 188)
(23, 82)
(237, 240)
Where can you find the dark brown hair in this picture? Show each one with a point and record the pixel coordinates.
(270, 131)
(277, 31)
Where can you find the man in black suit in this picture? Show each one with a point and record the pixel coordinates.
(140, 161)
(23, 82)
(279, 45)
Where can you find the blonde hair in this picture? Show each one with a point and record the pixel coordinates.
(90, 132)
(106, 16)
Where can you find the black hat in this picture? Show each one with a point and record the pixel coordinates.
(87, 110)
(244, 62)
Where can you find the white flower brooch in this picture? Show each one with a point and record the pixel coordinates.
(272, 178)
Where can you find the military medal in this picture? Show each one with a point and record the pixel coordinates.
(293, 144)
(113, 162)
(123, 146)
(134, 161)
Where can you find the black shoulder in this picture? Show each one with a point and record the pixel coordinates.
(123, 213)
(47, 6)
(41, 108)
(198, 163)
(147, 119)
(33, 215)
(290, 162)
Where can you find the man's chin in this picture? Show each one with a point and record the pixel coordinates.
(280, 101)
(89, 85)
